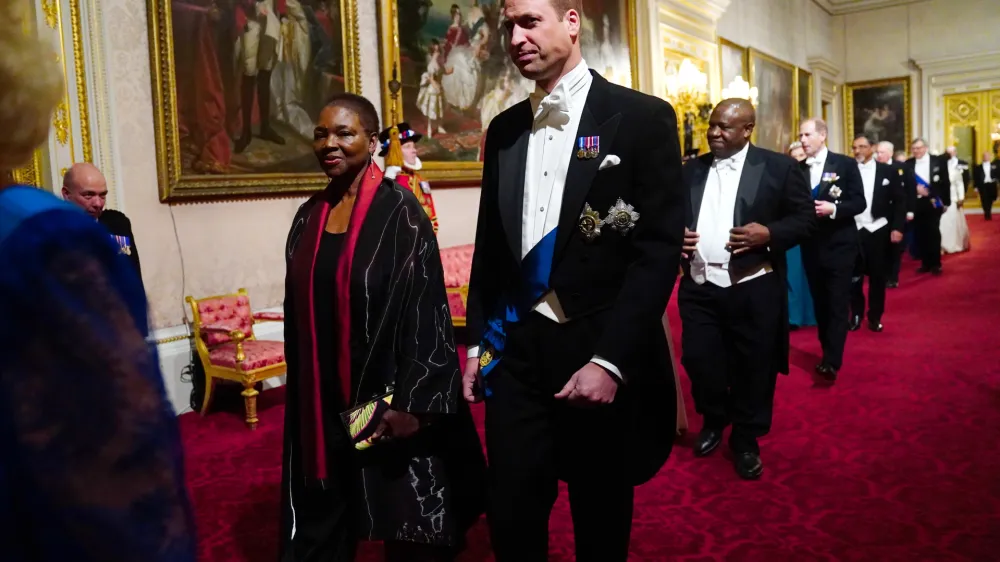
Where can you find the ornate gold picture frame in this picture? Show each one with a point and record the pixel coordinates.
(803, 98)
(880, 109)
(456, 76)
(218, 67)
(733, 61)
(775, 83)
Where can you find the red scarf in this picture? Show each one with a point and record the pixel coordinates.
(303, 267)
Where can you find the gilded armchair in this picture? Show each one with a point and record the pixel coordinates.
(228, 349)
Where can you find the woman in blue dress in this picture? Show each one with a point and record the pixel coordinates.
(800, 302)
(90, 458)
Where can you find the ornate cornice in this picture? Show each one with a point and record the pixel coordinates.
(840, 7)
(824, 65)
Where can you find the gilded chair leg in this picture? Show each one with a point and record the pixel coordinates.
(207, 400)
(250, 401)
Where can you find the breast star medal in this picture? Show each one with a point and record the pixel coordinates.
(590, 223)
(485, 359)
(622, 217)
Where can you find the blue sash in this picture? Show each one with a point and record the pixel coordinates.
(935, 200)
(536, 267)
(815, 191)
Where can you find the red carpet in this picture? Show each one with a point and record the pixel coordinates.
(897, 462)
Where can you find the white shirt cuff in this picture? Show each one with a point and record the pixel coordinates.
(608, 366)
(834, 214)
(909, 216)
(473, 352)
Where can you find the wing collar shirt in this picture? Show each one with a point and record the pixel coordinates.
(715, 220)
(865, 220)
(816, 164)
(550, 149)
(922, 167)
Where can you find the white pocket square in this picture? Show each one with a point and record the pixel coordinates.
(610, 161)
(885, 182)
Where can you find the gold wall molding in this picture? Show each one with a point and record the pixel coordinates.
(76, 31)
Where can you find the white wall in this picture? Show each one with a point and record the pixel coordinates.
(880, 42)
(789, 30)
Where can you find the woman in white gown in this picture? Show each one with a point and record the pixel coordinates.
(954, 228)
(461, 83)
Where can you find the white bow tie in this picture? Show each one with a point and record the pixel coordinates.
(726, 164)
(552, 102)
(813, 161)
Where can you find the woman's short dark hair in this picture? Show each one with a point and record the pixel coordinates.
(360, 105)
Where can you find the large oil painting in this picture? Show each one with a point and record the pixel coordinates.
(451, 60)
(732, 62)
(238, 85)
(775, 83)
(879, 109)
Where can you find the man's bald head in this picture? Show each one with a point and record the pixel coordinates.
(730, 127)
(85, 185)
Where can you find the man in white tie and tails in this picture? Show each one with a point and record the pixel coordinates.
(829, 255)
(748, 206)
(578, 244)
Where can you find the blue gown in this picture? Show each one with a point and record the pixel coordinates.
(800, 302)
(90, 457)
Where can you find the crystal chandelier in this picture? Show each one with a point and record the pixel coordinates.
(688, 86)
(740, 88)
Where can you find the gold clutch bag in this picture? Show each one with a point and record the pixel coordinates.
(362, 420)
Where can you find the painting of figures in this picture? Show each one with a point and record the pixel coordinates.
(248, 78)
(879, 109)
(775, 83)
(456, 75)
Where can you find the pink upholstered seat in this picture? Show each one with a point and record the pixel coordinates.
(457, 262)
(223, 329)
(259, 354)
(456, 305)
(231, 312)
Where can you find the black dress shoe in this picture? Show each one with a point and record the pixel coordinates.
(923, 269)
(874, 326)
(827, 372)
(892, 285)
(855, 324)
(748, 465)
(936, 271)
(708, 441)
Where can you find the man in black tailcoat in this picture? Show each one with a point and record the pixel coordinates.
(880, 225)
(933, 197)
(748, 206)
(829, 255)
(581, 221)
(986, 176)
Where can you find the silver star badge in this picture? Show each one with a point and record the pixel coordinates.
(621, 217)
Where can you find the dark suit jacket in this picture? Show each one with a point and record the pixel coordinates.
(836, 239)
(940, 187)
(889, 197)
(908, 185)
(990, 189)
(618, 284)
(119, 225)
(774, 192)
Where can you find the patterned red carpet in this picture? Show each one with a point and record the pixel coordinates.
(897, 462)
